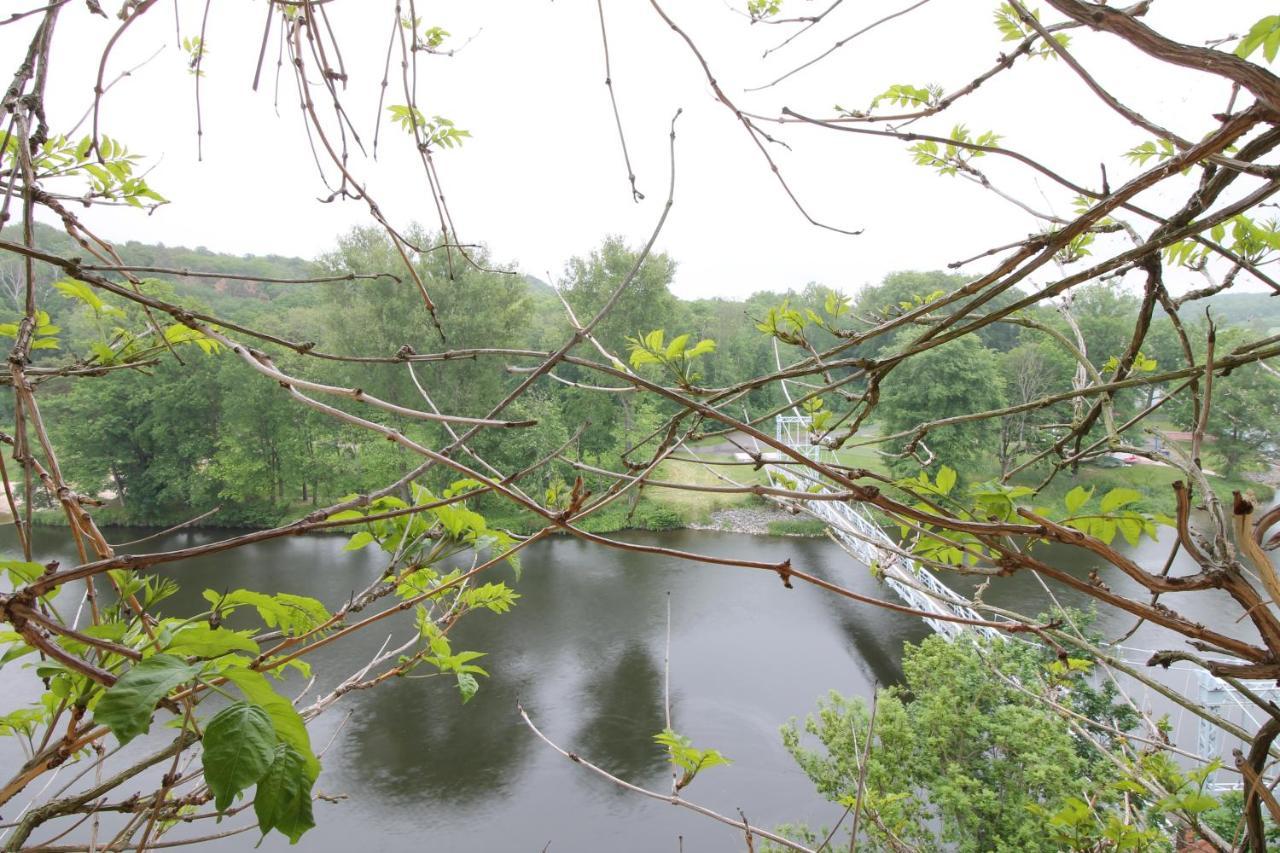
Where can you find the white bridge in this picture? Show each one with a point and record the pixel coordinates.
(867, 542)
(864, 539)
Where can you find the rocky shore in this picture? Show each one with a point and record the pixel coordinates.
(752, 519)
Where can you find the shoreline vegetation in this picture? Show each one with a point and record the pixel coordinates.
(162, 449)
(663, 508)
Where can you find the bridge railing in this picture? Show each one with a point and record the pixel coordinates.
(865, 540)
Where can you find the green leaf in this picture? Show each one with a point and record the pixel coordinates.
(1130, 528)
(294, 614)
(358, 541)
(127, 705)
(72, 289)
(199, 640)
(702, 347)
(1265, 34)
(684, 755)
(283, 799)
(21, 572)
(946, 479)
(1117, 498)
(285, 719)
(347, 515)
(467, 686)
(1077, 498)
(239, 747)
(1195, 802)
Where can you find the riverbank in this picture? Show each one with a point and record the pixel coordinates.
(679, 505)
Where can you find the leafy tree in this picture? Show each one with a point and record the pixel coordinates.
(958, 756)
(646, 304)
(1243, 419)
(926, 368)
(948, 381)
(142, 436)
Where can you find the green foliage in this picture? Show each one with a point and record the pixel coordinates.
(960, 758)
(196, 50)
(286, 722)
(906, 95)
(437, 130)
(45, 336)
(784, 323)
(21, 572)
(283, 799)
(797, 527)
(1112, 515)
(70, 288)
(953, 158)
(1227, 819)
(684, 756)
(293, 614)
(108, 168)
(761, 9)
(676, 357)
(1013, 28)
(239, 747)
(1161, 148)
(1264, 34)
(443, 658)
(126, 707)
(995, 501)
(836, 304)
(199, 640)
(1141, 364)
(430, 38)
(957, 378)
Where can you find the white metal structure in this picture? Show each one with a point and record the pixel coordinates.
(868, 542)
(919, 588)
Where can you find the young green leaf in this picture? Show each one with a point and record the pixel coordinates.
(239, 747)
(358, 541)
(1077, 498)
(1265, 34)
(199, 640)
(286, 721)
(946, 479)
(283, 799)
(467, 686)
(1117, 498)
(127, 705)
(686, 757)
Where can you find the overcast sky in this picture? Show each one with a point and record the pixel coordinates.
(542, 177)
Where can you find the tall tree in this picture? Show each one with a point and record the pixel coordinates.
(956, 379)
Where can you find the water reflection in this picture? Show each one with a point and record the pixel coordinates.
(413, 742)
(583, 651)
(623, 708)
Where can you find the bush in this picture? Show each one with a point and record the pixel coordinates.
(961, 759)
(657, 517)
(797, 527)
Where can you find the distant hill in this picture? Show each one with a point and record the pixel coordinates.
(224, 295)
(537, 285)
(1257, 311)
(216, 292)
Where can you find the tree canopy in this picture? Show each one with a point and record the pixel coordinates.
(418, 394)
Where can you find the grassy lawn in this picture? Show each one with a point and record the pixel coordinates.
(864, 457)
(697, 506)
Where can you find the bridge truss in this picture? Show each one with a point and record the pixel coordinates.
(867, 542)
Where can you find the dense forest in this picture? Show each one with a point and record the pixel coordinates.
(135, 435)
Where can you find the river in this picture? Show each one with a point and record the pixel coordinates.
(583, 651)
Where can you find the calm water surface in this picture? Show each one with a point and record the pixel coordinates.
(583, 651)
